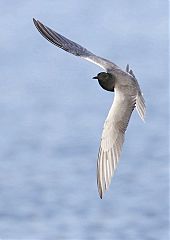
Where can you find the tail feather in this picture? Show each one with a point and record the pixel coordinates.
(140, 105)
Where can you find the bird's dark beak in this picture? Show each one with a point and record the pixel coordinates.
(95, 77)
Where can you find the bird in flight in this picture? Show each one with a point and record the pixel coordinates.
(127, 97)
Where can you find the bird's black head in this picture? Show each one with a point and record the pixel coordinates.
(106, 81)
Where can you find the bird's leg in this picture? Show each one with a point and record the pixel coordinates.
(129, 70)
(131, 73)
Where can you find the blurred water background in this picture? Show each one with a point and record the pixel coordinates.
(52, 114)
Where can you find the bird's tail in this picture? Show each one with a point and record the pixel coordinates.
(140, 105)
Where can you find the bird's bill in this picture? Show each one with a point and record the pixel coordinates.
(95, 77)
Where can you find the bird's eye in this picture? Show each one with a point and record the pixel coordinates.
(105, 75)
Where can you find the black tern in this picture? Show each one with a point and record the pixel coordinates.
(127, 97)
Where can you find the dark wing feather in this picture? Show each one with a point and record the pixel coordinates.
(72, 47)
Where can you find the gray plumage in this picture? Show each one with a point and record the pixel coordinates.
(127, 96)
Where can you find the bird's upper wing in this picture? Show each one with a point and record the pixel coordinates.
(72, 47)
(113, 135)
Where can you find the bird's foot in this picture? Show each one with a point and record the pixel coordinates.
(129, 71)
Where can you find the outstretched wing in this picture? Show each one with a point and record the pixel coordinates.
(113, 136)
(72, 47)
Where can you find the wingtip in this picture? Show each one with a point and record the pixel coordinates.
(100, 194)
(34, 21)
